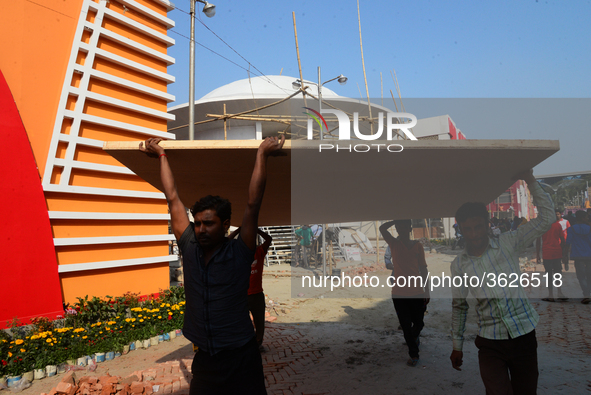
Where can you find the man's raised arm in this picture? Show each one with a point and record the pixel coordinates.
(271, 146)
(535, 228)
(386, 234)
(178, 214)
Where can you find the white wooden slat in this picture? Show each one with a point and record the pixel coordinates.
(74, 241)
(107, 216)
(77, 267)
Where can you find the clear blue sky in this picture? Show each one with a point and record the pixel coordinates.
(439, 49)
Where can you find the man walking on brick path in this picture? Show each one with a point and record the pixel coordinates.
(506, 341)
(411, 297)
(217, 272)
(552, 243)
(256, 296)
(579, 237)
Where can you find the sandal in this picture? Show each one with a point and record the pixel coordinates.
(413, 362)
(586, 301)
(548, 300)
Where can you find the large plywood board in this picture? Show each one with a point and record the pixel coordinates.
(428, 179)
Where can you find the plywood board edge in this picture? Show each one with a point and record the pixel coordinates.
(553, 145)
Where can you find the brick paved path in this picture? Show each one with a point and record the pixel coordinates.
(288, 354)
(565, 324)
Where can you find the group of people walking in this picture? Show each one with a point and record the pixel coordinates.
(562, 243)
(218, 274)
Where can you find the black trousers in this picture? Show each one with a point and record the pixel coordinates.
(509, 366)
(410, 314)
(238, 371)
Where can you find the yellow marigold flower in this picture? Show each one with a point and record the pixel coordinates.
(167, 304)
(117, 317)
(101, 332)
(99, 323)
(139, 315)
(169, 313)
(23, 350)
(107, 328)
(133, 320)
(9, 354)
(48, 341)
(141, 320)
(111, 323)
(159, 317)
(133, 326)
(19, 341)
(84, 337)
(182, 312)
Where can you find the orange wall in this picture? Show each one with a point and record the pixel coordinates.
(114, 282)
(38, 39)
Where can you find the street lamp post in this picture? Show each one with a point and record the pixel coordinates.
(342, 80)
(297, 84)
(209, 11)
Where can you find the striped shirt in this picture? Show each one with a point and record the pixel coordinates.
(503, 311)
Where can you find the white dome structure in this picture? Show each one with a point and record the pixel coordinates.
(273, 86)
(244, 96)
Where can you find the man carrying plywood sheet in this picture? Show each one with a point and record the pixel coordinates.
(489, 269)
(217, 272)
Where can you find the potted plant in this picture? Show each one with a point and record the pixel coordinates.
(14, 368)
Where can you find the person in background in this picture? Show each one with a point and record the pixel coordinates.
(411, 299)
(579, 237)
(304, 240)
(256, 296)
(565, 247)
(552, 244)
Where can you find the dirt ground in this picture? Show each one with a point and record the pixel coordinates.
(362, 351)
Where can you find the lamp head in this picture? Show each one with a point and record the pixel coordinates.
(342, 79)
(209, 9)
(296, 84)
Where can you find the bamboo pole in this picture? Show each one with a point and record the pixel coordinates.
(382, 88)
(295, 32)
(377, 243)
(398, 135)
(363, 63)
(395, 77)
(225, 121)
(242, 113)
(396, 105)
